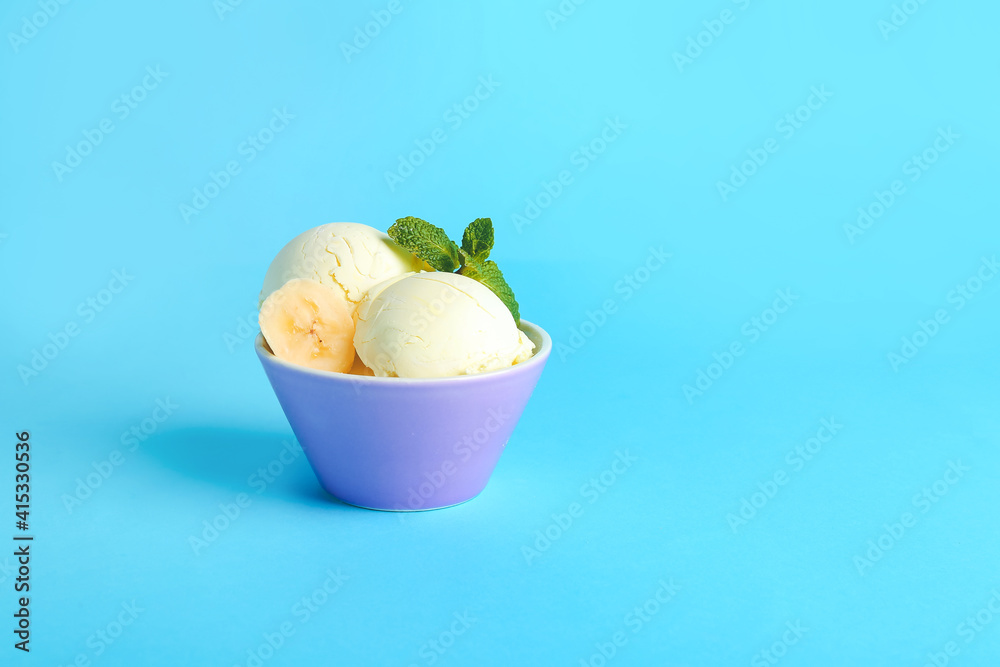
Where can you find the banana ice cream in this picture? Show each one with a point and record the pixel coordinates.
(347, 257)
(344, 297)
(437, 324)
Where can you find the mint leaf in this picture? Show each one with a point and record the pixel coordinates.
(431, 244)
(426, 241)
(488, 273)
(478, 238)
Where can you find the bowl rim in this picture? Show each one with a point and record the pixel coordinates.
(538, 358)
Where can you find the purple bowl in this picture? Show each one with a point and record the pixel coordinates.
(404, 444)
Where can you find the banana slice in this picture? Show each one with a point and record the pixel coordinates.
(309, 324)
(359, 368)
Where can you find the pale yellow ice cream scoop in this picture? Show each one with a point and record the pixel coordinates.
(437, 324)
(347, 257)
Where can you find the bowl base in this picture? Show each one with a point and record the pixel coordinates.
(402, 509)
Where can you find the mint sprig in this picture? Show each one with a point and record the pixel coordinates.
(427, 242)
(478, 238)
(431, 244)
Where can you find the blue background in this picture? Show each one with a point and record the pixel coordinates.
(177, 331)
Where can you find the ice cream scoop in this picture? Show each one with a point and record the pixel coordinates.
(346, 256)
(437, 324)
